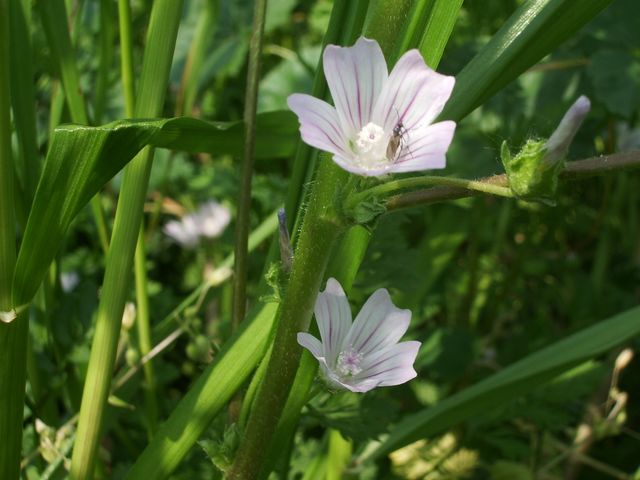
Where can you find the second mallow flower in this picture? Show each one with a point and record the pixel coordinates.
(363, 354)
(382, 122)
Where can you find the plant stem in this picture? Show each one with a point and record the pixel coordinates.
(320, 229)
(126, 56)
(578, 169)
(163, 27)
(244, 200)
(389, 188)
(140, 269)
(13, 336)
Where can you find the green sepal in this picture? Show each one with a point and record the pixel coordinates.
(222, 451)
(531, 176)
(275, 280)
(366, 212)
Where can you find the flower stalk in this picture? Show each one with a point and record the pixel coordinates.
(320, 229)
(244, 200)
(13, 335)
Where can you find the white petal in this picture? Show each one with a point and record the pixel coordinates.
(346, 163)
(312, 344)
(425, 148)
(319, 124)
(355, 76)
(213, 218)
(414, 94)
(391, 366)
(378, 325)
(182, 232)
(333, 315)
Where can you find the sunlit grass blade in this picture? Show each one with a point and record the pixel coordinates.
(533, 31)
(158, 55)
(213, 389)
(515, 380)
(67, 185)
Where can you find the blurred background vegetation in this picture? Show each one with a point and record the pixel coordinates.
(488, 280)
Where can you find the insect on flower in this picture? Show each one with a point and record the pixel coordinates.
(365, 353)
(368, 129)
(397, 138)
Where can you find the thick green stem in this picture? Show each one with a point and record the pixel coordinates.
(165, 18)
(319, 231)
(13, 335)
(244, 200)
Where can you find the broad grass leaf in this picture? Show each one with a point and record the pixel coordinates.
(82, 159)
(520, 378)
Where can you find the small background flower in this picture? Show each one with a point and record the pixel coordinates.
(381, 123)
(363, 354)
(210, 221)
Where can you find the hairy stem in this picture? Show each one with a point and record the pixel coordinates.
(574, 170)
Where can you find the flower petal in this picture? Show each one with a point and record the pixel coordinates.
(355, 76)
(378, 325)
(414, 94)
(391, 366)
(333, 315)
(312, 344)
(426, 148)
(319, 124)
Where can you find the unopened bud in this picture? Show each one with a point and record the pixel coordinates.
(8, 317)
(558, 143)
(623, 359)
(129, 315)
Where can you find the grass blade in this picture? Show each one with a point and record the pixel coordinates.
(517, 379)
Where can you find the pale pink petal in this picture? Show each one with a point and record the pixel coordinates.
(355, 76)
(319, 124)
(390, 366)
(312, 344)
(413, 95)
(425, 148)
(333, 315)
(378, 325)
(347, 163)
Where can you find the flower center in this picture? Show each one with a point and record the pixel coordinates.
(371, 146)
(348, 363)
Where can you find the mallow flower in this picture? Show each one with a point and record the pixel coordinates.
(382, 122)
(363, 354)
(210, 220)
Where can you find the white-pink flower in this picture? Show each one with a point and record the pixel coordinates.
(210, 220)
(363, 354)
(381, 123)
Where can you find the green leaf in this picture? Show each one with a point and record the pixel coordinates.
(213, 389)
(82, 159)
(517, 379)
(616, 79)
(532, 32)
